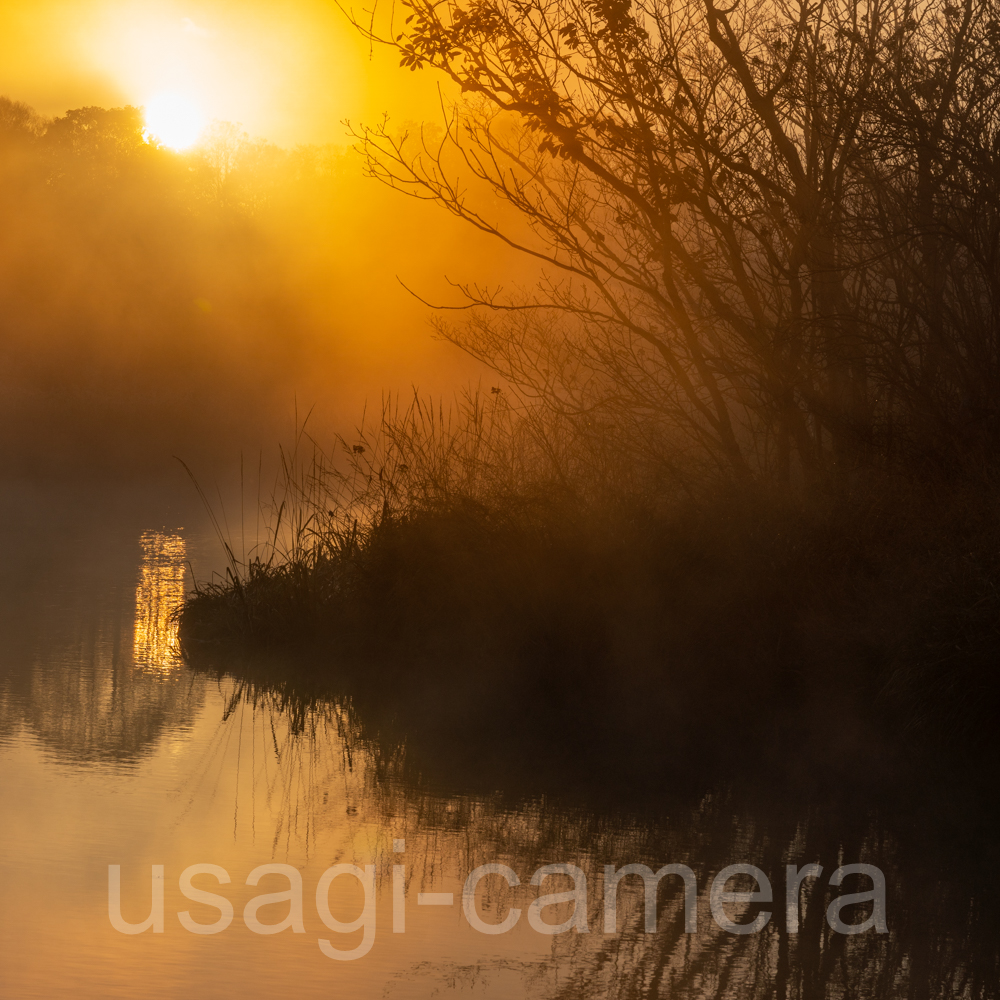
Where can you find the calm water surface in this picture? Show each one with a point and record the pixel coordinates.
(114, 752)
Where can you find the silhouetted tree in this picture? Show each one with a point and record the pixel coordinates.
(18, 120)
(107, 143)
(769, 229)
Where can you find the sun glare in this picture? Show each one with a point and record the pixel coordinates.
(174, 120)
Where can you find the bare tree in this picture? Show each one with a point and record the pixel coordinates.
(766, 230)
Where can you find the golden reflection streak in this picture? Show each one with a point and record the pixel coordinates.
(158, 594)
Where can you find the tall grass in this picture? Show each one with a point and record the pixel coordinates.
(503, 581)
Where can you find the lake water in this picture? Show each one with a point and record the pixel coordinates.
(113, 752)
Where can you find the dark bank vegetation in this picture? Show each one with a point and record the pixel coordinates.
(552, 623)
(746, 486)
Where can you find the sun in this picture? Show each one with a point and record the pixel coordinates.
(174, 120)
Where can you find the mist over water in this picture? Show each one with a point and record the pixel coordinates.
(113, 751)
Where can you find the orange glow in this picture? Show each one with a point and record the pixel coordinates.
(145, 286)
(291, 72)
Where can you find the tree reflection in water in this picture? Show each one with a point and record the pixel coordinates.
(944, 932)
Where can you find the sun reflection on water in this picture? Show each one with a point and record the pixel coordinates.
(158, 594)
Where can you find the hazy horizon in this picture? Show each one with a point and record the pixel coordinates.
(292, 75)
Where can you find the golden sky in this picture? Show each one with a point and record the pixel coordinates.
(288, 70)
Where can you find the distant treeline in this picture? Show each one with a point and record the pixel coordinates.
(103, 147)
(140, 306)
(154, 303)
